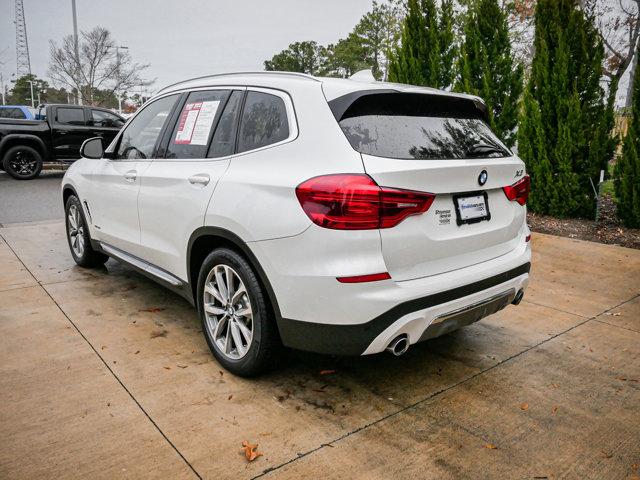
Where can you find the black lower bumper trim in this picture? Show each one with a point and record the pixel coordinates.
(354, 339)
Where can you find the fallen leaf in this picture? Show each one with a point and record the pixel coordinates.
(250, 451)
(136, 352)
(555, 409)
(230, 397)
(606, 454)
(524, 406)
(167, 368)
(182, 366)
(103, 347)
(490, 446)
(327, 372)
(152, 309)
(555, 385)
(158, 333)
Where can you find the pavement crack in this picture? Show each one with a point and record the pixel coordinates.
(157, 427)
(439, 392)
(617, 326)
(554, 308)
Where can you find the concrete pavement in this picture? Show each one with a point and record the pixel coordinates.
(104, 374)
(31, 200)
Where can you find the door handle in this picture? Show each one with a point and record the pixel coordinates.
(131, 176)
(201, 179)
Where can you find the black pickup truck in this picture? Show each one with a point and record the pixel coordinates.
(56, 136)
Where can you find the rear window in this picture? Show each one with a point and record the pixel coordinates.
(418, 127)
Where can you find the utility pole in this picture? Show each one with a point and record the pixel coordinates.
(75, 46)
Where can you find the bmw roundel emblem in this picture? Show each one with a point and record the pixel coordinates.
(482, 178)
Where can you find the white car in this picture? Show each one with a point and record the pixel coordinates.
(329, 215)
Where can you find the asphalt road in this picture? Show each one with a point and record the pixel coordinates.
(31, 200)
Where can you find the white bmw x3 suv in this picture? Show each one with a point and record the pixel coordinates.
(329, 215)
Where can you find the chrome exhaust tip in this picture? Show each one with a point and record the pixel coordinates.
(518, 298)
(399, 345)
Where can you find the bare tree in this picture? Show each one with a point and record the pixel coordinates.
(619, 26)
(98, 67)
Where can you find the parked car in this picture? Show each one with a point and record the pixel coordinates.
(328, 215)
(55, 135)
(16, 112)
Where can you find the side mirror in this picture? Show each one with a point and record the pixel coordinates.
(92, 148)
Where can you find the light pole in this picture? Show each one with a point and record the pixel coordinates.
(118, 74)
(32, 102)
(75, 47)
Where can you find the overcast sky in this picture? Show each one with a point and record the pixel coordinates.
(185, 38)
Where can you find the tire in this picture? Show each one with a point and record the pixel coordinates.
(78, 236)
(263, 347)
(22, 162)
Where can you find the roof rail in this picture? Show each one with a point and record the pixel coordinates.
(296, 74)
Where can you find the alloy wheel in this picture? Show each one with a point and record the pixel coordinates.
(228, 313)
(75, 229)
(23, 163)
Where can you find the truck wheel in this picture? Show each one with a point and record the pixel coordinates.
(22, 162)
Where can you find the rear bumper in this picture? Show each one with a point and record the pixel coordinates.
(417, 318)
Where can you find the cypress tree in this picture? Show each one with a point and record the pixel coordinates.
(426, 51)
(486, 67)
(574, 117)
(627, 170)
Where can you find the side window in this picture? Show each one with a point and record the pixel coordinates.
(70, 116)
(12, 113)
(138, 140)
(264, 121)
(195, 124)
(104, 119)
(224, 138)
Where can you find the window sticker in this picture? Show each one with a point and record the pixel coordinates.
(195, 123)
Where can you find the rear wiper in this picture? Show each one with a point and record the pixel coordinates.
(486, 148)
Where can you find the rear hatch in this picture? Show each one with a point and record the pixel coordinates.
(442, 145)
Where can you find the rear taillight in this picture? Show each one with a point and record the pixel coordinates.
(519, 191)
(356, 202)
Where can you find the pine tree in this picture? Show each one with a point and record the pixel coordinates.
(627, 170)
(426, 51)
(486, 67)
(574, 117)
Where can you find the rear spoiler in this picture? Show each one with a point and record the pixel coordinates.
(339, 106)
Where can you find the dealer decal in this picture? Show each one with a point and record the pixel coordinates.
(195, 123)
(444, 217)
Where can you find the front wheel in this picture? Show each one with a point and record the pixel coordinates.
(236, 321)
(22, 162)
(78, 236)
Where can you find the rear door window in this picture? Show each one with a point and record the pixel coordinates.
(224, 138)
(419, 127)
(264, 121)
(70, 116)
(195, 124)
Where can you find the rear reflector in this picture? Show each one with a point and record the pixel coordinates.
(519, 191)
(356, 202)
(374, 277)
